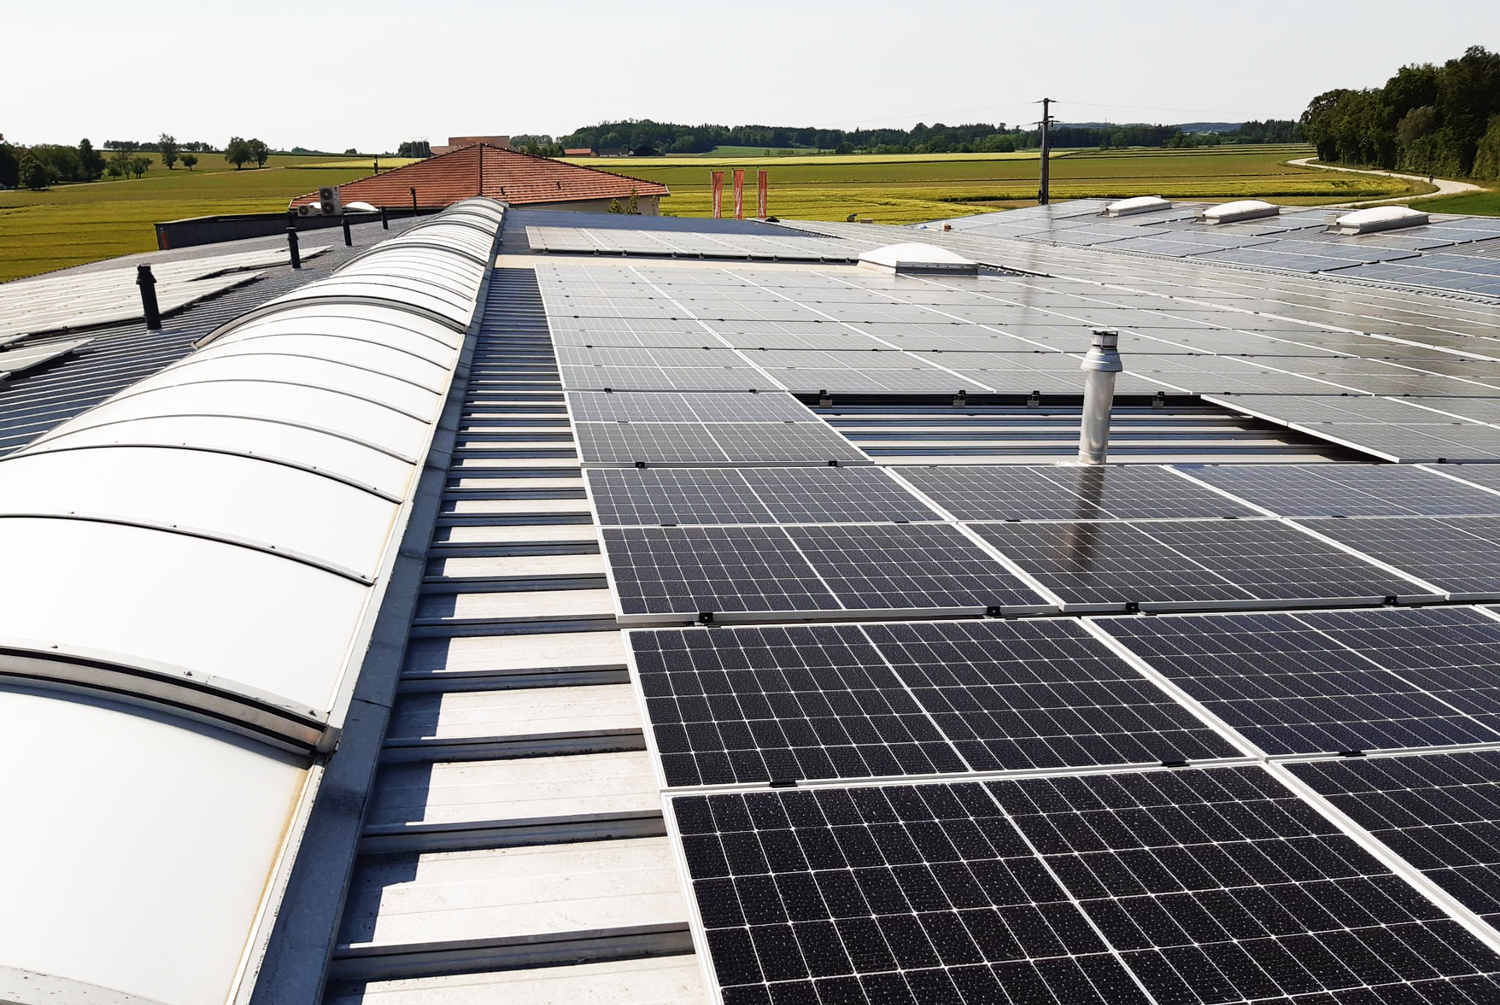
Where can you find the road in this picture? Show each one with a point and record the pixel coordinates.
(1444, 186)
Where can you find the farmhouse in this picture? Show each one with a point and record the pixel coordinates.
(532, 607)
(511, 177)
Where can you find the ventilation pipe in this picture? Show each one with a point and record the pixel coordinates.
(1100, 367)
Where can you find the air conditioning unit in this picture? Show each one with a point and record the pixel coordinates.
(329, 200)
(310, 209)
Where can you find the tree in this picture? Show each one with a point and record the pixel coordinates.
(633, 207)
(168, 145)
(615, 207)
(259, 152)
(238, 152)
(128, 146)
(90, 162)
(119, 164)
(10, 165)
(139, 165)
(351, 152)
(189, 159)
(33, 172)
(1487, 153)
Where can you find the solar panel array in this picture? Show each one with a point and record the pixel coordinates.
(917, 744)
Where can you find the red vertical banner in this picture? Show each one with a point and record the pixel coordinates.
(717, 177)
(739, 193)
(760, 194)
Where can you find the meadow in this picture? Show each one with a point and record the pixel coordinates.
(73, 224)
(918, 187)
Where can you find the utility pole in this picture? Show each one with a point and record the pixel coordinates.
(1043, 196)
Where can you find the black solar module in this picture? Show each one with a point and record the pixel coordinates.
(1194, 886)
(1331, 682)
(1440, 812)
(670, 406)
(1347, 489)
(1218, 885)
(909, 567)
(686, 571)
(1039, 694)
(835, 495)
(1189, 562)
(629, 443)
(1460, 555)
(1003, 492)
(655, 497)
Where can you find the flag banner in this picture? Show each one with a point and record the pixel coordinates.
(760, 195)
(717, 178)
(739, 193)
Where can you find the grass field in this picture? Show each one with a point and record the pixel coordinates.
(912, 188)
(1472, 203)
(73, 224)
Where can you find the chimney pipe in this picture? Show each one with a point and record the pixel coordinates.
(1100, 367)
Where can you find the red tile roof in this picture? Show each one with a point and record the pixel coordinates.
(507, 175)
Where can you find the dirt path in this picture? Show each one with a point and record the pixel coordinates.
(1444, 186)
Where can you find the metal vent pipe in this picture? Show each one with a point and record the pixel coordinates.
(1100, 366)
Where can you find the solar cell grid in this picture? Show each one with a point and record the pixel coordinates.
(1441, 812)
(1346, 489)
(654, 442)
(784, 442)
(1183, 563)
(908, 567)
(896, 895)
(1460, 555)
(673, 496)
(1007, 492)
(766, 406)
(835, 495)
(1308, 683)
(1218, 885)
(654, 378)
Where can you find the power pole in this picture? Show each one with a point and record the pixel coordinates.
(1043, 196)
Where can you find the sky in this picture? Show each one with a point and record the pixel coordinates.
(387, 71)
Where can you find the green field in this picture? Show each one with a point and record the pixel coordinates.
(73, 224)
(1471, 203)
(913, 188)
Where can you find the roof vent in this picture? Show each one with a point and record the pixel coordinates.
(1368, 221)
(922, 258)
(1234, 212)
(1140, 204)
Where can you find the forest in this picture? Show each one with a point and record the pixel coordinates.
(1430, 119)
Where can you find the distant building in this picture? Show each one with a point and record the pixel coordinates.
(578, 152)
(512, 177)
(458, 142)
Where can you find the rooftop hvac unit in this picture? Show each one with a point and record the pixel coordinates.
(1369, 221)
(330, 201)
(1234, 212)
(1140, 204)
(310, 209)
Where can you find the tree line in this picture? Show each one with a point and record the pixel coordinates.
(645, 136)
(1430, 119)
(42, 165)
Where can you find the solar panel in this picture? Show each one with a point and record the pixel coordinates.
(685, 572)
(1440, 812)
(1185, 563)
(652, 378)
(1318, 683)
(1217, 885)
(766, 406)
(835, 495)
(1196, 885)
(1004, 492)
(671, 496)
(628, 443)
(1346, 489)
(1460, 555)
(908, 567)
(1039, 694)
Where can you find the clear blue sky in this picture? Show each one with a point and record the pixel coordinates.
(432, 68)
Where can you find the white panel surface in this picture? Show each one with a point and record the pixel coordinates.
(134, 851)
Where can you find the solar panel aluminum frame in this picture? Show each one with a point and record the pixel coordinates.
(862, 460)
(1309, 525)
